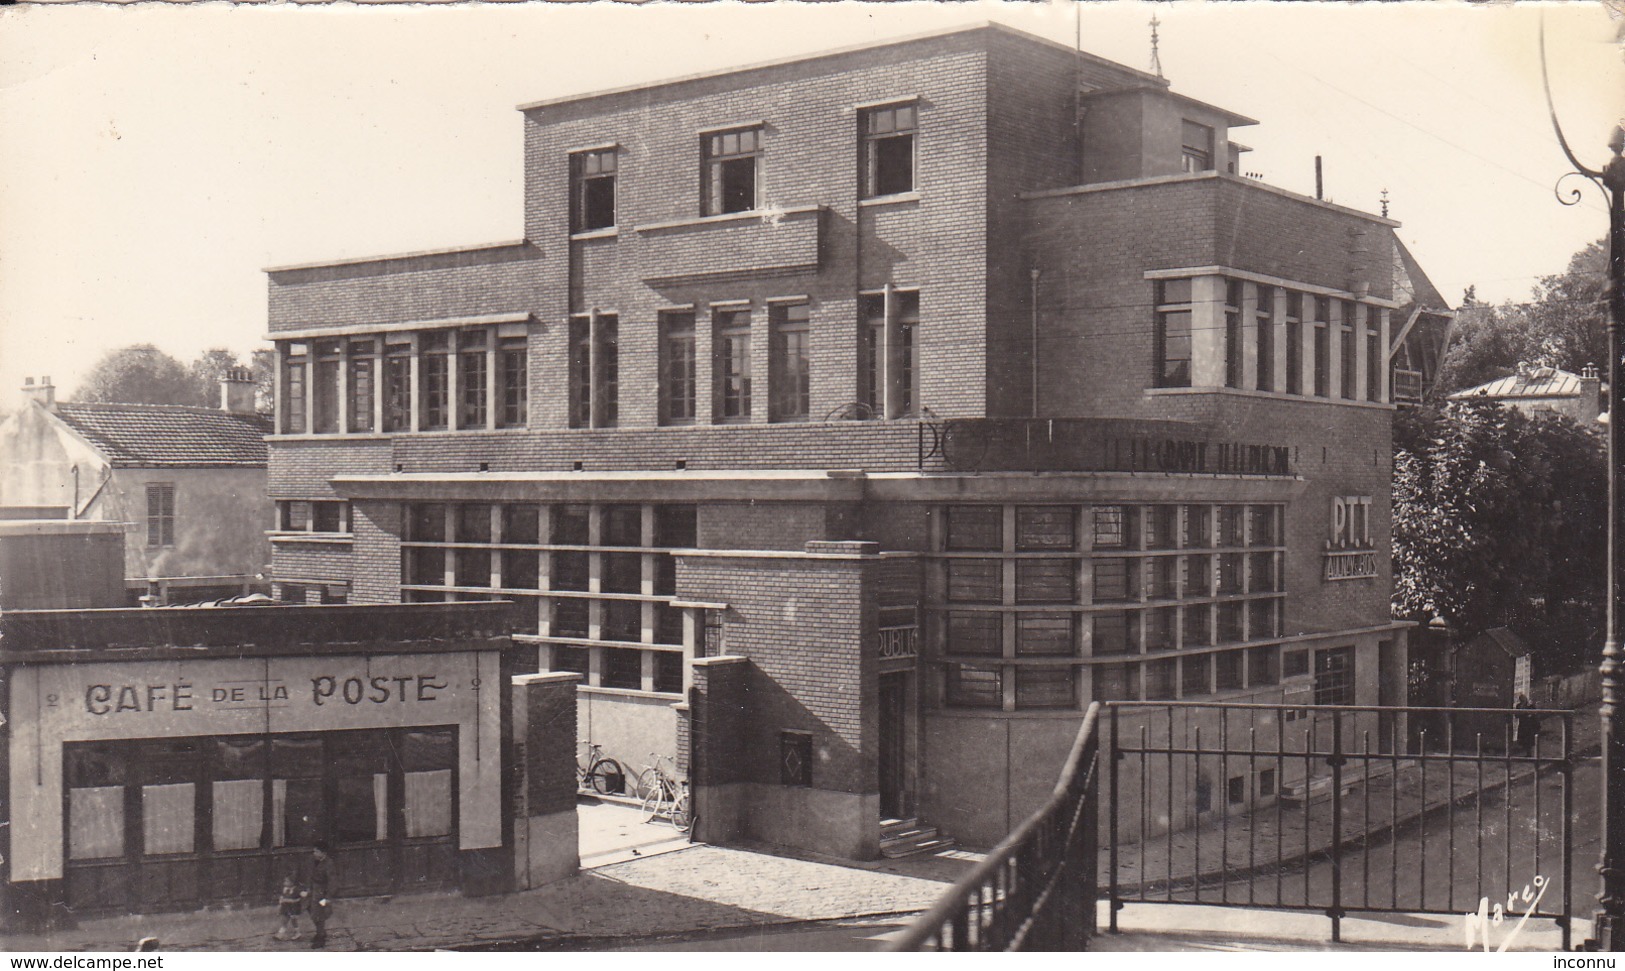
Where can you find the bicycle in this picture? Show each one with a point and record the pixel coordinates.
(664, 794)
(599, 773)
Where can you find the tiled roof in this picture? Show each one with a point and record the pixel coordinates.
(169, 435)
(1540, 383)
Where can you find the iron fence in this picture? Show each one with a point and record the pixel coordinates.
(1341, 809)
(1036, 890)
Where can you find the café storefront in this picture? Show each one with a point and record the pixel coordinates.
(166, 782)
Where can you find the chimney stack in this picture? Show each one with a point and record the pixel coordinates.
(44, 392)
(237, 390)
(1591, 400)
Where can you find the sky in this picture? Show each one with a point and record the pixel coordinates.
(158, 157)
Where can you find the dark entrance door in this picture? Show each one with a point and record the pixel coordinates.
(894, 801)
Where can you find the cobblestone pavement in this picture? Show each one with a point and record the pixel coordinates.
(1215, 851)
(690, 890)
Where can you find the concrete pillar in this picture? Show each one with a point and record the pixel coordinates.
(1207, 332)
(544, 745)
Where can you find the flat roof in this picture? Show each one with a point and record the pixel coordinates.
(838, 51)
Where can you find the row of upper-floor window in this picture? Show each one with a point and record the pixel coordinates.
(472, 379)
(732, 163)
(1266, 329)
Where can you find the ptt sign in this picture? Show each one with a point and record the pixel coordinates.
(1350, 553)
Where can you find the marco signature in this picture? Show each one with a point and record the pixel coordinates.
(1521, 905)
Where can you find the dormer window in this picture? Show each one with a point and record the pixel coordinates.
(1197, 149)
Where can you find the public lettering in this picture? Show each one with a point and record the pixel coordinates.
(322, 687)
(107, 699)
(1211, 458)
(380, 690)
(376, 690)
(128, 700)
(352, 691)
(96, 698)
(427, 685)
(183, 692)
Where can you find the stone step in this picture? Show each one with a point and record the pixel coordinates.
(926, 842)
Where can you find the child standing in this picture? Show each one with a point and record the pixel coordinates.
(289, 902)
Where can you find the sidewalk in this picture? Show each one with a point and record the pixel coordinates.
(1212, 852)
(697, 888)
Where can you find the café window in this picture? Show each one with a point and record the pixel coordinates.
(95, 775)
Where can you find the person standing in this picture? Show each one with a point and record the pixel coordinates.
(1527, 726)
(321, 884)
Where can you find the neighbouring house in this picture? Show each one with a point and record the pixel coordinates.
(187, 482)
(851, 422)
(1533, 389)
(1422, 326)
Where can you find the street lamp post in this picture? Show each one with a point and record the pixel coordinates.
(1608, 928)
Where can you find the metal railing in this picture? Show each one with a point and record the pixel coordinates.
(1036, 890)
(1342, 809)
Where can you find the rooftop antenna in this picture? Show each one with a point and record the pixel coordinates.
(1385, 203)
(1156, 58)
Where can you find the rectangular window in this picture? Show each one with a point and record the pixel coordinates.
(1235, 790)
(1198, 576)
(1161, 625)
(1233, 369)
(1262, 666)
(668, 672)
(521, 569)
(521, 524)
(1232, 525)
(1261, 619)
(1264, 525)
(426, 523)
(732, 161)
(1198, 527)
(1266, 783)
(1162, 528)
(1046, 581)
(1116, 682)
(328, 517)
(623, 668)
(975, 581)
(677, 367)
(325, 388)
(513, 383)
(1346, 349)
(1114, 633)
(435, 379)
(1231, 575)
(570, 619)
(1114, 527)
(732, 364)
(580, 372)
(1264, 336)
(1164, 578)
(238, 795)
(1230, 631)
(1040, 528)
(1116, 578)
(1334, 676)
(569, 570)
(471, 374)
(975, 686)
(975, 527)
(907, 356)
(1159, 679)
(397, 387)
(977, 633)
(1196, 147)
(790, 366)
(570, 525)
(888, 149)
(1294, 664)
(1044, 634)
(1227, 670)
(363, 360)
(293, 388)
(294, 515)
(607, 373)
(1193, 675)
(1323, 349)
(621, 525)
(1173, 334)
(871, 354)
(160, 514)
(1198, 622)
(1046, 687)
(577, 659)
(428, 758)
(592, 184)
(1374, 356)
(676, 526)
(1294, 343)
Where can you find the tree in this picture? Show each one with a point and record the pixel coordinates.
(1563, 326)
(140, 374)
(1499, 519)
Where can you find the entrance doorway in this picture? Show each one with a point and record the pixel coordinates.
(895, 801)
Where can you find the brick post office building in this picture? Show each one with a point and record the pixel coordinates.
(951, 383)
